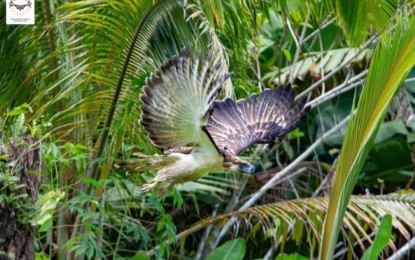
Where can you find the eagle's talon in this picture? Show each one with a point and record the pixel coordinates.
(147, 187)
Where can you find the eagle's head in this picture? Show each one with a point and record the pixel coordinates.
(239, 166)
(246, 167)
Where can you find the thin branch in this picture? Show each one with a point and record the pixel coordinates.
(346, 249)
(311, 35)
(298, 44)
(410, 80)
(339, 68)
(320, 40)
(294, 164)
(270, 253)
(403, 250)
(326, 181)
(292, 33)
(257, 71)
(340, 89)
(344, 87)
(202, 243)
(286, 178)
(230, 207)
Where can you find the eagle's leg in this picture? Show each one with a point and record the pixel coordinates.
(163, 190)
(148, 187)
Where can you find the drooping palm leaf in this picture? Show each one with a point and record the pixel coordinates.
(301, 220)
(316, 66)
(391, 63)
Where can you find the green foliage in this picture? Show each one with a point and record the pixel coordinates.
(357, 17)
(16, 120)
(232, 250)
(12, 197)
(383, 235)
(165, 230)
(45, 206)
(86, 246)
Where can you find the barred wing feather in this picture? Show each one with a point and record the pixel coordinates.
(177, 98)
(259, 119)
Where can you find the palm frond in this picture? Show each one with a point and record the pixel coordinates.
(391, 63)
(301, 221)
(356, 17)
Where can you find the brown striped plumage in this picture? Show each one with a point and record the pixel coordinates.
(259, 119)
(177, 98)
(180, 113)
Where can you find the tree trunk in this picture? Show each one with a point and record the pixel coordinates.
(19, 184)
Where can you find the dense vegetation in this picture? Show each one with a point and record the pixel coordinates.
(73, 80)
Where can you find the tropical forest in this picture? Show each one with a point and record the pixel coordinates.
(207, 129)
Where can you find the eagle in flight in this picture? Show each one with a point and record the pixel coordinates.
(201, 134)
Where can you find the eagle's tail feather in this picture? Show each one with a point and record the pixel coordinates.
(145, 163)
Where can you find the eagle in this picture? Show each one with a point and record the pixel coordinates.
(199, 133)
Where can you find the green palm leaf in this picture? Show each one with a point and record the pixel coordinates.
(356, 17)
(391, 63)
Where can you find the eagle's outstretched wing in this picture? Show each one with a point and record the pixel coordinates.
(259, 119)
(177, 98)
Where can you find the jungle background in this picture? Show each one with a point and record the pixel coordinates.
(69, 108)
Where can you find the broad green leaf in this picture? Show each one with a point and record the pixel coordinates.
(46, 225)
(381, 239)
(41, 256)
(389, 129)
(388, 161)
(231, 250)
(140, 255)
(394, 57)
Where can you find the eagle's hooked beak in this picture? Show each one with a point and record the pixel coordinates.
(246, 167)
